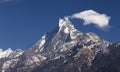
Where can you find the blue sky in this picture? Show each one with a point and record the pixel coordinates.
(23, 22)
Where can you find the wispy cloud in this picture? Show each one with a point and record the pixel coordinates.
(93, 17)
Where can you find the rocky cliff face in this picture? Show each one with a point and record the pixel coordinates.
(107, 62)
(65, 49)
(102, 62)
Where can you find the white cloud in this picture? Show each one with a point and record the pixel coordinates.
(92, 17)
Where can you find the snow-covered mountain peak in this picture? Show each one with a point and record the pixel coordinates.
(64, 22)
(5, 53)
(66, 25)
(64, 42)
(1, 50)
(9, 49)
(9, 53)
